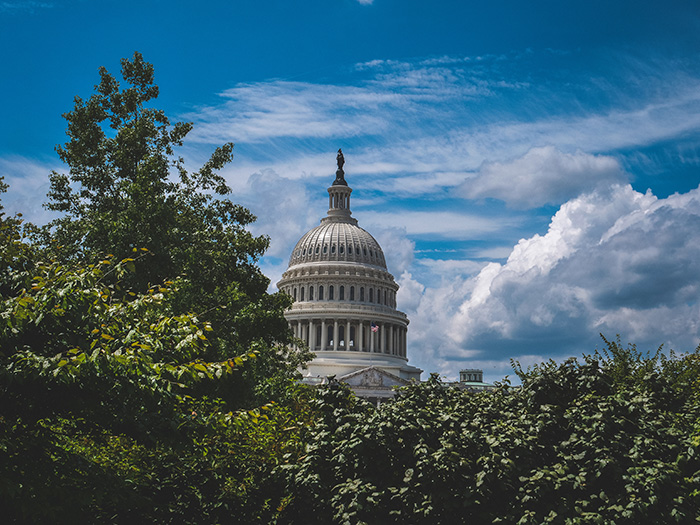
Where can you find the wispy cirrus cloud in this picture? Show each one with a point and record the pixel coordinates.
(434, 123)
(24, 6)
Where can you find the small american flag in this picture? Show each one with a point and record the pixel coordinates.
(374, 327)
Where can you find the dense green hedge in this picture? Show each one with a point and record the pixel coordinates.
(580, 442)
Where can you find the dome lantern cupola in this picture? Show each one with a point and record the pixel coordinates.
(339, 196)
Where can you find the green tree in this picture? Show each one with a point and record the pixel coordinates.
(101, 413)
(125, 190)
(16, 256)
(577, 443)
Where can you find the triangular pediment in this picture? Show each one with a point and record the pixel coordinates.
(372, 377)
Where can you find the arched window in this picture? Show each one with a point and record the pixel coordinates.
(385, 303)
(362, 293)
(294, 295)
(330, 293)
(352, 293)
(325, 248)
(379, 296)
(320, 293)
(371, 295)
(341, 293)
(342, 248)
(311, 293)
(333, 249)
(301, 294)
(317, 248)
(350, 249)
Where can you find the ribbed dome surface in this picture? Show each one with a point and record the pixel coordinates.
(334, 241)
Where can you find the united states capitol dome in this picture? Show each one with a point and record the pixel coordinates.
(334, 241)
(345, 298)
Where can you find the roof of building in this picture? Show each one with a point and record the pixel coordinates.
(336, 240)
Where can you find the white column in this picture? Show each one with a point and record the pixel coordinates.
(347, 337)
(405, 338)
(391, 340)
(335, 335)
(323, 335)
(358, 336)
(312, 335)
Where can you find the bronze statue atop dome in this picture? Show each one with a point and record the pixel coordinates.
(340, 174)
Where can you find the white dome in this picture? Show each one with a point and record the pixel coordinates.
(335, 241)
(344, 296)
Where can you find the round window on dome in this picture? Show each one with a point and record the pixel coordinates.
(303, 252)
(325, 248)
(342, 249)
(317, 248)
(333, 249)
(350, 249)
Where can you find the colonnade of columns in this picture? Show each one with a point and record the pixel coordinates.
(357, 336)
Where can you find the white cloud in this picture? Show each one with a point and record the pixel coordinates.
(445, 224)
(616, 262)
(28, 182)
(397, 247)
(26, 5)
(365, 2)
(282, 209)
(258, 112)
(544, 175)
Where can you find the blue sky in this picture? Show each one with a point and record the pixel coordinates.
(531, 169)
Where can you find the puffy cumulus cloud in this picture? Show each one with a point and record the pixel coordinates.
(410, 292)
(544, 175)
(397, 247)
(282, 209)
(613, 261)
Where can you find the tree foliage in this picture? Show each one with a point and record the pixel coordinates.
(577, 443)
(125, 190)
(144, 370)
(103, 414)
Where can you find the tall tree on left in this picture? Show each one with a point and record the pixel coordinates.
(125, 190)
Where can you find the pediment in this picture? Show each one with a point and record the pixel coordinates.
(372, 377)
